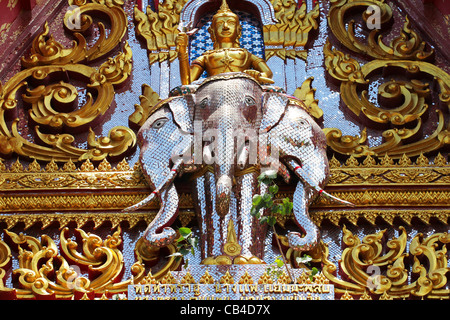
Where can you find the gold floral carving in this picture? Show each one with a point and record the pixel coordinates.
(291, 31)
(49, 59)
(407, 101)
(408, 46)
(86, 266)
(374, 267)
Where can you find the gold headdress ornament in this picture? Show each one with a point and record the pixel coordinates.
(224, 10)
(224, 7)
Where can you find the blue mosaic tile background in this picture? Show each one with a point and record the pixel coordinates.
(251, 38)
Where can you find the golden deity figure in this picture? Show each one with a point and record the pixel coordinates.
(227, 55)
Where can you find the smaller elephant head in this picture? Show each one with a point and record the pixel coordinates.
(301, 146)
(162, 139)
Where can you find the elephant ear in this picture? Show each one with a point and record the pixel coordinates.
(181, 110)
(273, 108)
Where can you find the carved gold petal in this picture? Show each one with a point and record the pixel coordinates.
(306, 93)
(160, 29)
(148, 99)
(292, 30)
(376, 266)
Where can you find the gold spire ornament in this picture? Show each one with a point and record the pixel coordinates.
(224, 10)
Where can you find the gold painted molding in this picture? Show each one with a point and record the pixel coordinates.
(381, 188)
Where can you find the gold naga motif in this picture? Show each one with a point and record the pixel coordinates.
(49, 59)
(405, 103)
(282, 39)
(160, 29)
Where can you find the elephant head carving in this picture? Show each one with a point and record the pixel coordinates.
(165, 136)
(229, 109)
(230, 128)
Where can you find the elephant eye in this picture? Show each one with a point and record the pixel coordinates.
(159, 123)
(249, 101)
(203, 103)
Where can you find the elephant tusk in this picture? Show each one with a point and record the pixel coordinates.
(307, 180)
(157, 191)
(334, 199)
(141, 203)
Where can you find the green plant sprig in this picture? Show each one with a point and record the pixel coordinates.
(186, 244)
(272, 206)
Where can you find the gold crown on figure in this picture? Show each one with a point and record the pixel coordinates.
(224, 10)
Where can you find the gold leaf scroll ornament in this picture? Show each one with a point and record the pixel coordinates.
(43, 110)
(408, 45)
(407, 101)
(373, 266)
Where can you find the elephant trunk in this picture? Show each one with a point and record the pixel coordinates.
(225, 157)
(158, 233)
(224, 169)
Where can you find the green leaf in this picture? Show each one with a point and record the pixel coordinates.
(273, 189)
(267, 197)
(263, 220)
(271, 221)
(278, 208)
(270, 174)
(279, 262)
(267, 176)
(185, 232)
(304, 259)
(314, 271)
(184, 251)
(180, 239)
(257, 198)
(191, 241)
